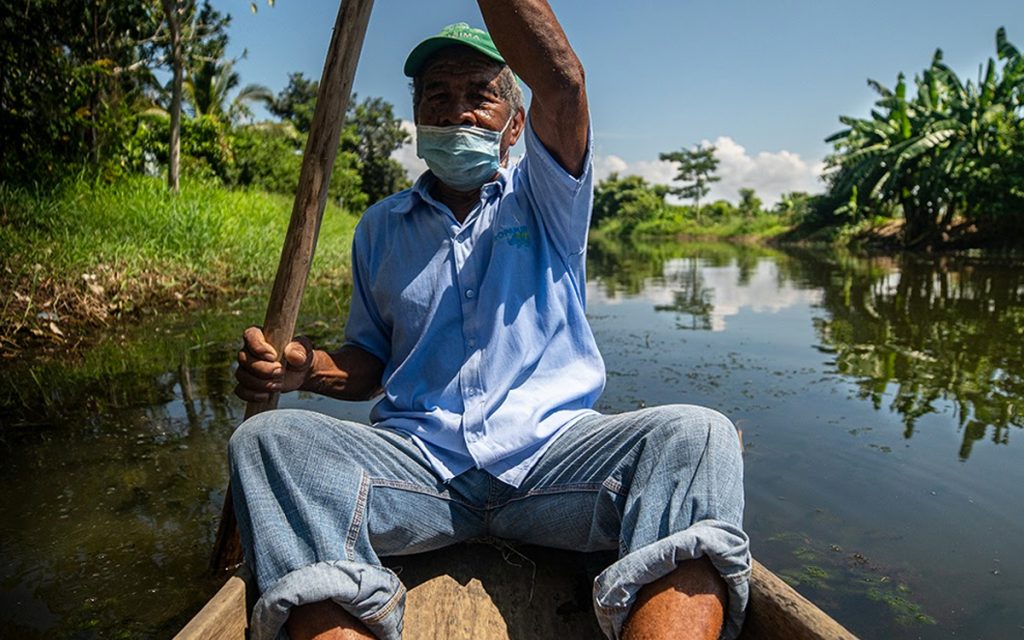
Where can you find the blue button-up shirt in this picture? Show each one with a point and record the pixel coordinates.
(481, 325)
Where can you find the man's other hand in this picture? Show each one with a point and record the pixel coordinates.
(259, 373)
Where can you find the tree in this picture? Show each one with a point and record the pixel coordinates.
(267, 156)
(750, 204)
(208, 91)
(297, 101)
(950, 150)
(191, 34)
(794, 205)
(377, 134)
(176, 54)
(696, 171)
(371, 134)
(626, 202)
(73, 75)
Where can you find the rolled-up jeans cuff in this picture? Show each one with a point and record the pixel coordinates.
(372, 594)
(727, 547)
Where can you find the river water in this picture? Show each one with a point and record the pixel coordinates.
(880, 402)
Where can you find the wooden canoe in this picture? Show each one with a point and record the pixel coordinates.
(481, 592)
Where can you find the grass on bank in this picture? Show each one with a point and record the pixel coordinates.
(84, 255)
(674, 222)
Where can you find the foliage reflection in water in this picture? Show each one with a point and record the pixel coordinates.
(919, 332)
(913, 331)
(864, 386)
(114, 471)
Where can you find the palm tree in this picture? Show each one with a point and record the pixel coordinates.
(209, 86)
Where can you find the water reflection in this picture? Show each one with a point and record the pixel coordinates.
(703, 284)
(917, 333)
(914, 332)
(113, 484)
(114, 466)
(626, 267)
(113, 461)
(831, 362)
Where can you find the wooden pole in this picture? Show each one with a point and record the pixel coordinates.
(307, 212)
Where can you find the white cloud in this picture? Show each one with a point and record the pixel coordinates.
(653, 171)
(604, 166)
(406, 154)
(770, 174)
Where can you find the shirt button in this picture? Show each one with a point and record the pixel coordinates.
(471, 342)
(470, 294)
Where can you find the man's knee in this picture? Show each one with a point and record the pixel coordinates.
(693, 428)
(722, 433)
(271, 430)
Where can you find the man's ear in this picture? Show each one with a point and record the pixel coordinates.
(517, 126)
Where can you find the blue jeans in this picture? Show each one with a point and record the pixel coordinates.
(319, 499)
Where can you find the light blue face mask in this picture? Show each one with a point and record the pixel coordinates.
(462, 157)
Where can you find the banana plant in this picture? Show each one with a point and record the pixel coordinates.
(933, 156)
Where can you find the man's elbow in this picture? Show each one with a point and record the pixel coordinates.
(565, 82)
(360, 393)
(571, 81)
(575, 77)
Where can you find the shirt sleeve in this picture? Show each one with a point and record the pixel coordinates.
(365, 327)
(563, 200)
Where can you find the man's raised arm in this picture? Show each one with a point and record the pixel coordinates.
(533, 43)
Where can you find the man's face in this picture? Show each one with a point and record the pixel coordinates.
(460, 87)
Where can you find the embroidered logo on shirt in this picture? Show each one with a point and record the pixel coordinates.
(515, 236)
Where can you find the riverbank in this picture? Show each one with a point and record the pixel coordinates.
(876, 236)
(87, 256)
(675, 222)
(886, 236)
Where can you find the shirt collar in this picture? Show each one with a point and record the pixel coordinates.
(420, 192)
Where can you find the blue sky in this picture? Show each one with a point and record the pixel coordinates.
(765, 81)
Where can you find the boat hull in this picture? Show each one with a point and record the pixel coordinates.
(497, 592)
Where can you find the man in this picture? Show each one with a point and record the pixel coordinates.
(468, 313)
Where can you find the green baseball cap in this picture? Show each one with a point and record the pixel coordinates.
(458, 33)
